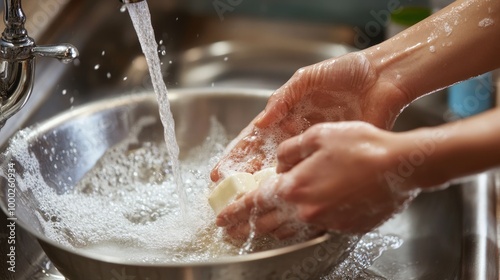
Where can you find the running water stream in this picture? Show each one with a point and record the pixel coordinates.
(141, 19)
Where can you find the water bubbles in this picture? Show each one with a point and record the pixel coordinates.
(162, 50)
(71, 100)
(108, 75)
(125, 78)
(123, 8)
(447, 29)
(160, 42)
(485, 22)
(103, 53)
(226, 58)
(170, 62)
(64, 91)
(177, 18)
(432, 49)
(431, 37)
(97, 66)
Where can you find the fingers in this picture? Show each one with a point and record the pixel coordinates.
(257, 211)
(284, 99)
(292, 151)
(240, 210)
(263, 223)
(246, 155)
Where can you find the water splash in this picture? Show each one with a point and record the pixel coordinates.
(141, 19)
(367, 250)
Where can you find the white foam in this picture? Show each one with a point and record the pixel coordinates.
(344, 107)
(127, 205)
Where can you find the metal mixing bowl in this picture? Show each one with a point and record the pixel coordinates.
(95, 127)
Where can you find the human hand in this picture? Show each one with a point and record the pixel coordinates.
(339, 89)
(335, 176)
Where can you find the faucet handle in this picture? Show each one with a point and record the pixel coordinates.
(64, 52)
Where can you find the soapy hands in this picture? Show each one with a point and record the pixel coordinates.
(333, 185)
(309, 153)
(339, 89)
(337, 176)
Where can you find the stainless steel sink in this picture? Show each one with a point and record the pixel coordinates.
(449, 234)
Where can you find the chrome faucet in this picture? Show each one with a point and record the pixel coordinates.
(17, 60)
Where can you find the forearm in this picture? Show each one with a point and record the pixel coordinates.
(454, 44)
(455, 149)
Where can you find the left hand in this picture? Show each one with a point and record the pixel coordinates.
(338, 89)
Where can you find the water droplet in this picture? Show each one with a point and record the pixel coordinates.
(103, 53)
(213, 84)
(170, 62)
(226, 58)
(160, 43)
(125, 78)
(108, 75)
(177, 18)
(64, 92)
(447, 29)
(163, 52)
(432, 49)
(71, 100)
(97, 66)
(485, 22)
(123, 8)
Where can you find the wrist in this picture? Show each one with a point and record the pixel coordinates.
(416, 157)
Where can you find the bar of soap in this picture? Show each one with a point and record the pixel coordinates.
(264, 174)
(235, 186)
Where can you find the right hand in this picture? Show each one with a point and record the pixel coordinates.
(339, 176)
(338, 89)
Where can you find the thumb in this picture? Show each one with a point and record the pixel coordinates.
(281, 102)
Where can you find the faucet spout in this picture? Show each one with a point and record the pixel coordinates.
(17, 60)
